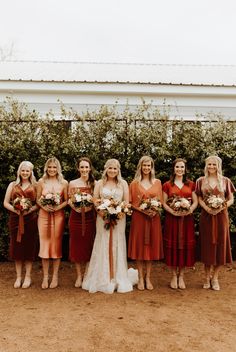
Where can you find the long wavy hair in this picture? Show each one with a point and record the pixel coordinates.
(219, 174)
(91, 178)
(172, 176)
(139, 175)
(53, 160)
(112, 162)
(32, 178)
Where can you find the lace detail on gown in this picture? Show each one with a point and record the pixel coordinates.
(97, 277)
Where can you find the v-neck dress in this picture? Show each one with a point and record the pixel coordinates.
(179, 235)
(214, 229)
(25, 250)
(145, 239)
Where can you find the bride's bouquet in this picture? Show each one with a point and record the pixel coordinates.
(151, 204)
(113, 210)
(179, 204)
(22, 203)
(214, 201)
(49, 198)
(81, 199)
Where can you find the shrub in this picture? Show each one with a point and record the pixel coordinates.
(106, 133)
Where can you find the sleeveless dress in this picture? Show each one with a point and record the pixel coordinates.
(51, 228)
(179, 235)
(145, 239)
(82, 233)
(214, 229)
(25, 250)
(97, 277)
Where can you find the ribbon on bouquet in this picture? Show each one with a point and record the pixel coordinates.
(181, 232)
(83, 220)
(21, 228)
(51, 225)
(147, 231)
(214, 229)
(111, 253)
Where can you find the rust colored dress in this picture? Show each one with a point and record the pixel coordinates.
(51, 228)
(25, 250)
(214, 229)
(82, 232)
(145, 239)
(179, 235)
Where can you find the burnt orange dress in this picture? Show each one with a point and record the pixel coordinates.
(51, 228)
(25, 250)
(145, 239)
(214, 229)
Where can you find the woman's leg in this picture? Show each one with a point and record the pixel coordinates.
(56, 264)
(18, 266)
(207, 283)
(182, 285)
(214, 282)
(140, 275)
(174, 280)
(78, 281)
(45, 265)
(28, 269)
(149, 285)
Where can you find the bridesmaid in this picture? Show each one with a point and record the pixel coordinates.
(22, 223)
(179, 236)
(145, 240)
(51, 219)
(82, 230)
(214, 222)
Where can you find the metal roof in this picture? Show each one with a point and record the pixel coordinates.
(170, 74)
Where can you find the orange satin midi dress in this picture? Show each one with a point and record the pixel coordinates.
(51, 228)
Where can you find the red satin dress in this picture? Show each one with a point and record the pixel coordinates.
(214, 229)
(82, 230)
(179, 235)
(25, 249)
(145, 239)
(51, 228)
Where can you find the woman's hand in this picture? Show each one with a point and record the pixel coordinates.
(214, 211)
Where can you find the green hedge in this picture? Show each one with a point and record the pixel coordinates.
(126, 135)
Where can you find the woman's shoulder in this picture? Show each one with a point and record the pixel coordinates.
(124, 182)
(200, 179)
(157, 181)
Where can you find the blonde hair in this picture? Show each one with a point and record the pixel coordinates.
(111, 162)
(138, 175)
(58, 165)
(32, 178)
(219, 175)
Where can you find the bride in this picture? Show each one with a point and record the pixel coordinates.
(99, 276)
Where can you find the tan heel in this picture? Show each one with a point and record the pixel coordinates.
(18, 282)
(45, 283)
(149, 285)
(140, 284)
(27, 282)
(54, 282)
(182, 285)
(174, 282)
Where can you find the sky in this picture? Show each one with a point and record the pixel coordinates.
(120, 31)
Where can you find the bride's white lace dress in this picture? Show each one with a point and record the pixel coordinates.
(97, 277)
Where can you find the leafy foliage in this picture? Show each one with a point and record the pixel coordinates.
(109, 133)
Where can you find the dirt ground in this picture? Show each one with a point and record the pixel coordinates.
(72, 320)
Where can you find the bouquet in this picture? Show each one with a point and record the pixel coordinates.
(113, 210)
(179, 204)
(214, 202)
(22, 203)
(151, 204)
(81, 199)
(50, 199)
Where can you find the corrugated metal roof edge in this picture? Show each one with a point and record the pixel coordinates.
(118, 63)
(122, 82)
